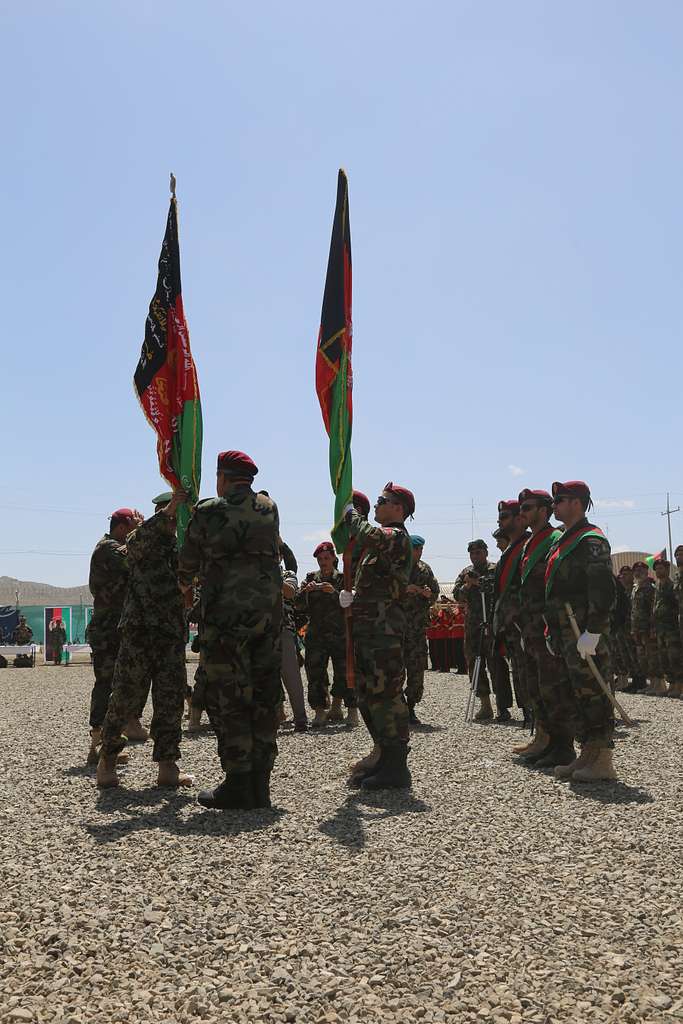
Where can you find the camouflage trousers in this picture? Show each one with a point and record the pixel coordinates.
(139, 661)
(594, 713)
(416, 663)
(242, 694)
(104, 651)
(670, 654)
(198, 700)
(550, 689)
(647, 654)
(513, 647)
(318, 653)
(623, 652)
(380, 668)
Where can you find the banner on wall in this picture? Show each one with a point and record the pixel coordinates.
(51, 616)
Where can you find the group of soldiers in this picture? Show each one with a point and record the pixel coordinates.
(543, 621)
(551, 622)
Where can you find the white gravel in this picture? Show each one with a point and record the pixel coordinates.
(489, 893)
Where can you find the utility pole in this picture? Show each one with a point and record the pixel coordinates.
(669, 512)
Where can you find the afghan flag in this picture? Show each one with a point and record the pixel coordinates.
(651, 559)
(166, 377)
(333, 376)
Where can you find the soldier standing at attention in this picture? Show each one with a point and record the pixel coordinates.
(58, 641)
(232, 545)
(579, 574)
(550, 691)
(472, 582)
(678, 587)
(108, 581)
(506, 584)
(421, 593)
(326, 640)
(665, 614)
(629, 655)
(643, 626)
(379, 627)
(152, 647)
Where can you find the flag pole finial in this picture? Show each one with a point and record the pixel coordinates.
(172, 185)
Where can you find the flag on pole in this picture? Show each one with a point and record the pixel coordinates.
(333, 374)
(166, 377)
(651, 559)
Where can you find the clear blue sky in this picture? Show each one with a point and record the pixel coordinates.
(515, 194)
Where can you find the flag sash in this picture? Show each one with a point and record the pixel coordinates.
(535, 549)
(564, 547)
(512, 558)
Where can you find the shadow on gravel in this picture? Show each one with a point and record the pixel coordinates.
(80, 771)
(347, 826)
(425, 727)
(165, 819)
(612, 793)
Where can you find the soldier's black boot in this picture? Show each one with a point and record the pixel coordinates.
(393, 772)
(637, 683)
(412, 717)
(261, 783)
(235, 793)
(358, 778)
(560, 751)
(528, 721)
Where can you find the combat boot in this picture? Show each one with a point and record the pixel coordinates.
(135, 731)
(352, 718)
(95, 744)
(336, 713)
(235, 793)
(170, 775)
(600, 768)
(660, 687)
(412, 717)
(261, 784)
(320, 719)
(589, 751)
(392, 771)
(675, 690)
(502, 716)
(485, 712)
(106, 771)
(366, 767)
(621, 683)
(560, 751)
(537, 745)
(195, 723)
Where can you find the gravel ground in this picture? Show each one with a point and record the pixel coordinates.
(489, 893)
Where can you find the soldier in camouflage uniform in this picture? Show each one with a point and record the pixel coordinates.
(23, 634)
(153, 632)
(232, 544)
(579, 575)
(108, 582)
(643, 628)
(421, 593)
(550, 690)
(505, 626)
(196, 696)
(290, 671)
(58, 638)
(678, 586)
(627, 656)
(667, 628)
(326, 640)
(473, 582)
(379, 627)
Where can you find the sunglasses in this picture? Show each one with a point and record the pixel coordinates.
(528, 506)
(506, 515)
(385, 501)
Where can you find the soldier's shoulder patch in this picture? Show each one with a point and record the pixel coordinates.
(263, 502)
(597, 547)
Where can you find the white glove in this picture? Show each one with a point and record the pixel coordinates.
(521, 643)
(587, 643)
(346, 598)
(348, 508)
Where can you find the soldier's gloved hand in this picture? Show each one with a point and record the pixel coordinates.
(346, 598)
(587, 643)
(348, 508)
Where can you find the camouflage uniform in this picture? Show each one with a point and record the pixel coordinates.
(417, 620)
(620, 641)
(108, 581)
(153, 631)
(470, 597)
(379, 626)
(550, 690)
(58, 640)
(666, 620)
(325, 640)
(506, 616)
(22, 635)
(678, 589)
(232, 544)
(290, 671)
(584, 579)
(643, 629)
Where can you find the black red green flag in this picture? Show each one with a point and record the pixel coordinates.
(651, 559)
(333, 373)
(166, 376)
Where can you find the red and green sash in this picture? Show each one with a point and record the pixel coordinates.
(565, 545)
(536, 549)
(512, 559)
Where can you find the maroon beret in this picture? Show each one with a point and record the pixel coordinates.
(572, 488)
(236, 464)
(626, 568)
(661, 560)
(122, 514)
(326, 545)
(406, 497)
(361, 503)
(509, 506)
(541, 496)
(641, 565)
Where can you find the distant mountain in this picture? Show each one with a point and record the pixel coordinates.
(41, 593)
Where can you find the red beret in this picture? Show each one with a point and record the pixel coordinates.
(509, 506)
(122, 514)
(641, 565)
(661, 560)
(326, 545)
(406, 497)
(542, 496)
(572, 488)
(361, 503)
(626, 568)
(236, 464)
